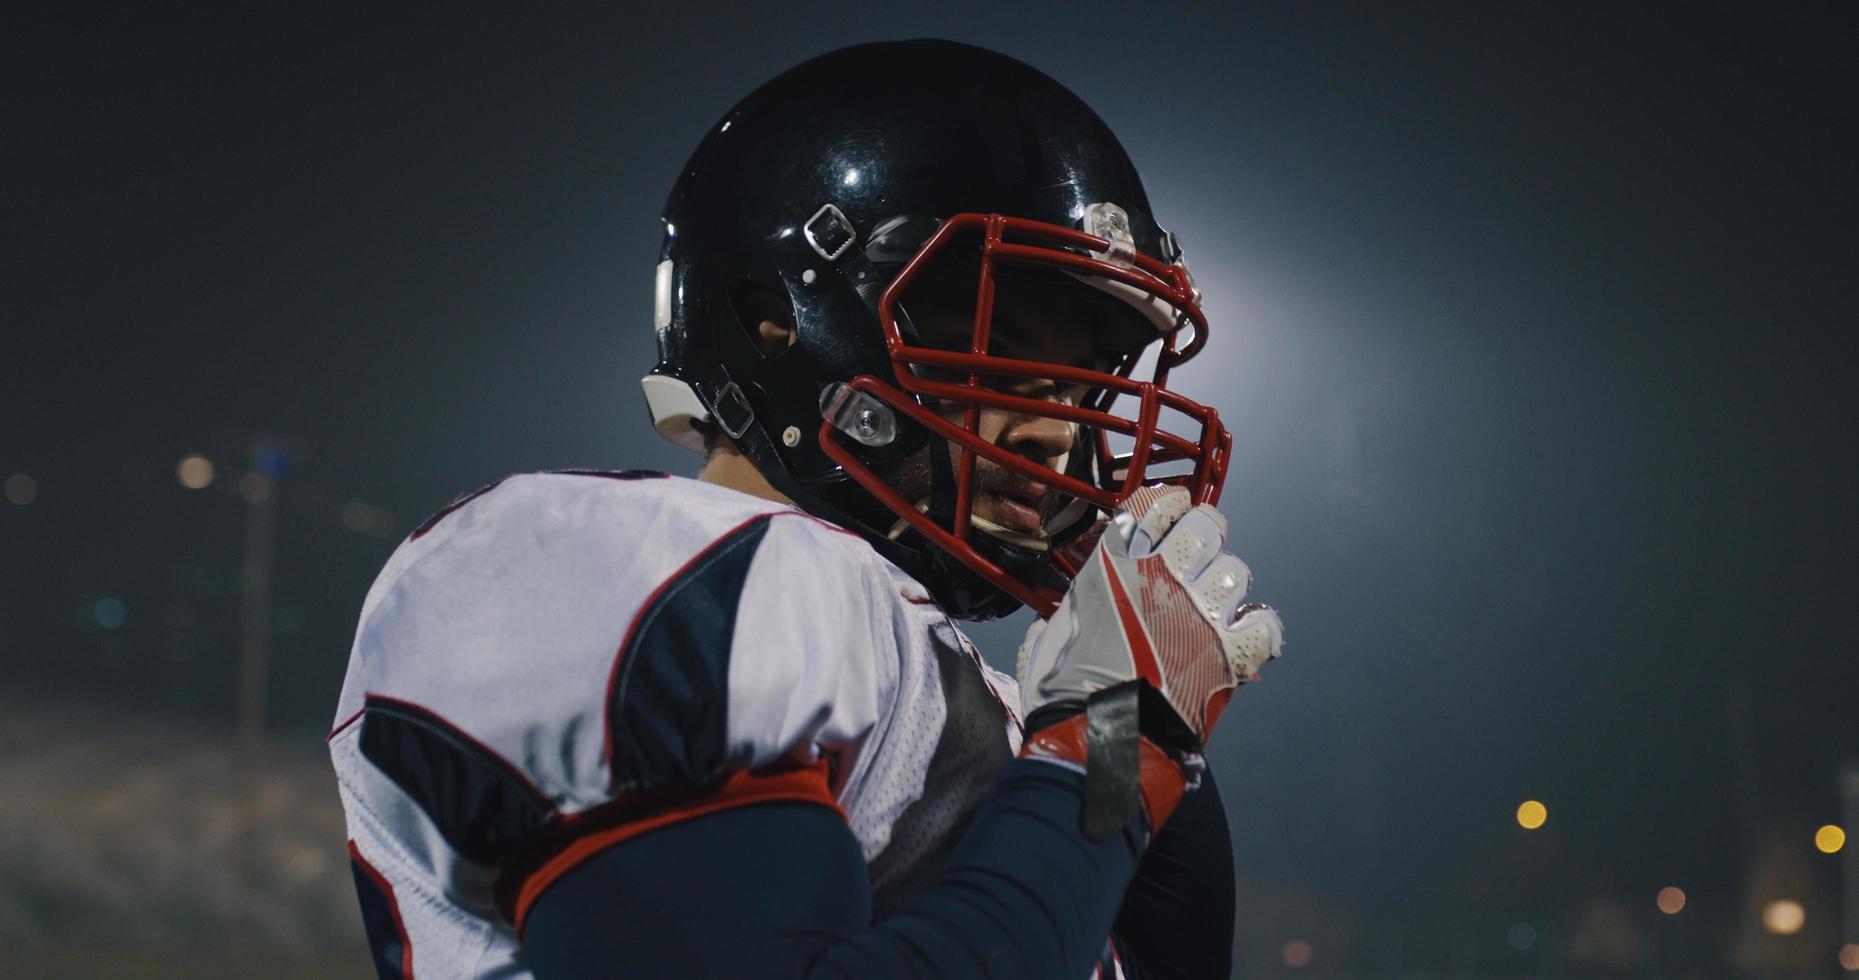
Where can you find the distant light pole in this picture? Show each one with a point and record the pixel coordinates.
(266, 461)
(1849, 856)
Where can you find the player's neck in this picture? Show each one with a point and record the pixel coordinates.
(728, 468)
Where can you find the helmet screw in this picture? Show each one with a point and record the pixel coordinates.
(867, 422)
(790, 437)
(809, 276)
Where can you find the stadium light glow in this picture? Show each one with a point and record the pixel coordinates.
(195, 472)
(1671, 900)
(1849, 957)
(1830, 839)
(1297, 954)
(1783, 917)
(1532, 815)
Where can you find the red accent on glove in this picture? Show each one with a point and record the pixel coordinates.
(1163, 782)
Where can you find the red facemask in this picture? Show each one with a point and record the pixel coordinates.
(1196, 460)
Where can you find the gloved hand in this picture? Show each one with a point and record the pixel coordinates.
(1157, 601)
(1160, 601)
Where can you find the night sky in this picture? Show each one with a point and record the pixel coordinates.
(1534, 330)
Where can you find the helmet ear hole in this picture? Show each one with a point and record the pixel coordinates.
(765, 316)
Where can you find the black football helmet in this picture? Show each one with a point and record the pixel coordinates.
(836, 184)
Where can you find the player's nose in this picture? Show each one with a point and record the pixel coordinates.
(1036, 437)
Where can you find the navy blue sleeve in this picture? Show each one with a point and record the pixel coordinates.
(780, 890)
(1178, 915)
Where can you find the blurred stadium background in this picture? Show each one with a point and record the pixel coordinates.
(1534, 326)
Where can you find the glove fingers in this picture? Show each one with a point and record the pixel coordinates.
(1192, 545)
(1213, 514)
(1256, 637)
(1152, 511)
(1219, 587)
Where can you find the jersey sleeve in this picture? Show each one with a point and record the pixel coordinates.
(1024, 894)
(565, 661)
(751, 677)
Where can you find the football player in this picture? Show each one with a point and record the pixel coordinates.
(914, 310)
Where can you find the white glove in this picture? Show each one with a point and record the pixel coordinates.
(1157, 600)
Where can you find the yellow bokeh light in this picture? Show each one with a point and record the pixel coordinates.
(194, 472)
(1830, 839)
(1671, 900)
(1783, 917)
(1297, 954)
(1849, 957)
(1532, 815)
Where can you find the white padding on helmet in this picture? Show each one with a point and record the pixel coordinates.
(674, 406)
(661, 297)
(1160, 313)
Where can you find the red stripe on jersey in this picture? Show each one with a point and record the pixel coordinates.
(589, 833)
(393, 905)
(350, 720)
(1146, 667)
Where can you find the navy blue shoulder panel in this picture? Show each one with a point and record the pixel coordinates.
(380, 918)
(481, 804)
(666, 701)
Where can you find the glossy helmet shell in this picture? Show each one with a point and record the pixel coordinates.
(821, 186)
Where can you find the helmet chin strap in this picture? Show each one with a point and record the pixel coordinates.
(897, 530)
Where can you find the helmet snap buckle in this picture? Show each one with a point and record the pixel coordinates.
(864, 418)
(732, 410)
(830, 232)
(1112, 224)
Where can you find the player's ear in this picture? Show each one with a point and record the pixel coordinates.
(767, 317)
(775, 338)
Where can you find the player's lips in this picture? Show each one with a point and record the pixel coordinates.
(1019, 508)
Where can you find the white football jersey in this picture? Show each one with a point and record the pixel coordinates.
(552, 657)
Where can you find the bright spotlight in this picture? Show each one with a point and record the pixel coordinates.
(1532, 815)
(1783, 917)
(1830, 839)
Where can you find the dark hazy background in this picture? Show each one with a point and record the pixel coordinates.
(1533, 325)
